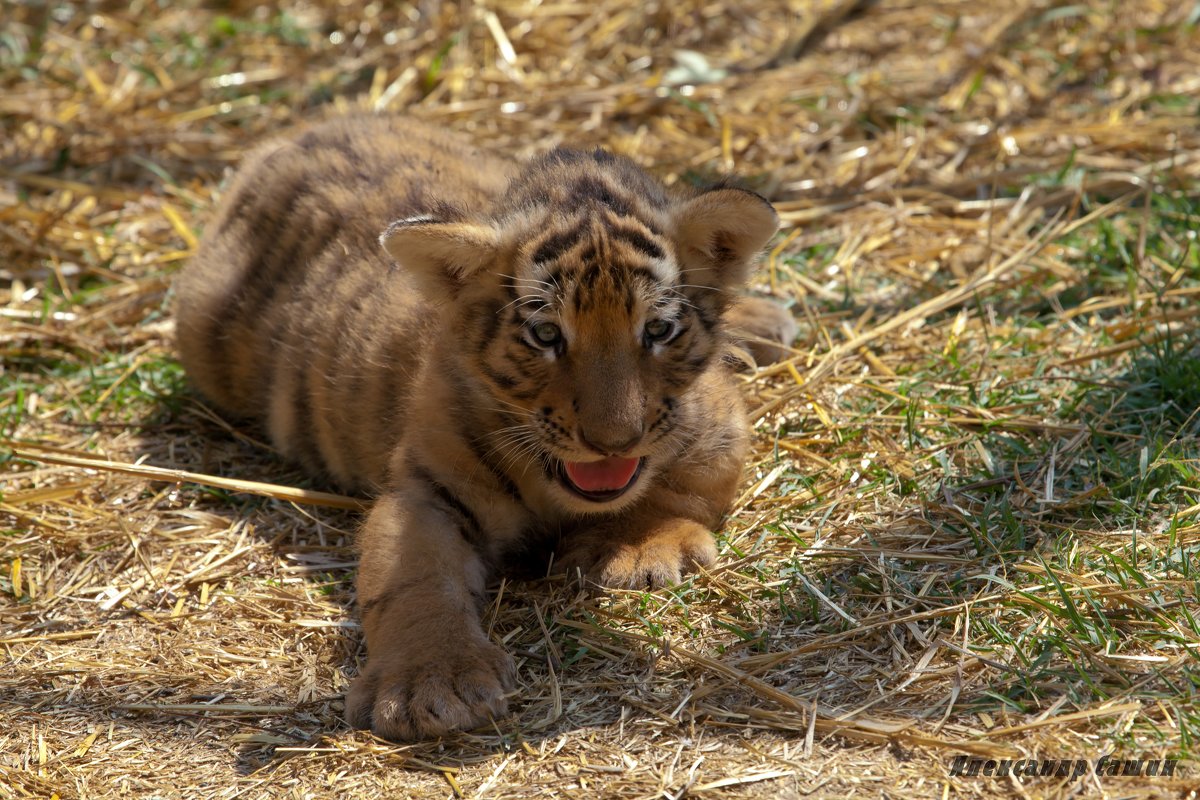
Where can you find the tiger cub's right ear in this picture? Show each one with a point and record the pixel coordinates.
(441, 256)
(719, 232)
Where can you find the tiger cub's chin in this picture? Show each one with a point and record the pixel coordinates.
(571, 305)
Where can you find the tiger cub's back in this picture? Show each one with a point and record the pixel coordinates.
(292, 314)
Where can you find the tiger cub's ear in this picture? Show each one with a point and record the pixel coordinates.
(441, 256)
(720, 232)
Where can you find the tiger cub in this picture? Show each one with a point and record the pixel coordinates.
(535, 353)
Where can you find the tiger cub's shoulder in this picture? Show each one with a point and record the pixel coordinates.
(291, 313)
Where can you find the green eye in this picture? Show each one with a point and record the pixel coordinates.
(546, 334)
(659, 329)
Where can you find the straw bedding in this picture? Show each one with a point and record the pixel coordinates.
(960, 533)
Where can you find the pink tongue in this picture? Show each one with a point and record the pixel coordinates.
(602, 476)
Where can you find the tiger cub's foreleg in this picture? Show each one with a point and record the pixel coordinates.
(431, 667)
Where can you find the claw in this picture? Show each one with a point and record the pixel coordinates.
(429, 692)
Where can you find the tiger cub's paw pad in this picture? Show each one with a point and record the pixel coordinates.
(431, 693)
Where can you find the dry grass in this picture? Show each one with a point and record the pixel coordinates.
(973, 520)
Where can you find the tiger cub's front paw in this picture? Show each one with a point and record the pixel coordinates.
(661, 559)
(426, 692)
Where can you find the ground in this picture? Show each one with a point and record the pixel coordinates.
(972, 521)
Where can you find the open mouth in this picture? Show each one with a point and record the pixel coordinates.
(600, 481)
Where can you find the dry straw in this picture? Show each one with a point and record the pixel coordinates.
(986, 210)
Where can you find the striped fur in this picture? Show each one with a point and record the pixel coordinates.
(516, 319)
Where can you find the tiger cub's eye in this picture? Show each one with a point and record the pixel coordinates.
(659, 329)
(546, 334)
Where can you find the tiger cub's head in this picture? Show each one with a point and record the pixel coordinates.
(586, 304)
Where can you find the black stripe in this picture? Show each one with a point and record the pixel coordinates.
(505, 482)
(602, 156)
(642, 272)
(590, 189)
(329, 137)
(307, 450)
(250, 191)
(639, 241)
(243, 199)
(349, 366)
(397, 384)
(261, 275)
(345, 368)
(480, 600)
(557, 244)
(681, 329)
(506, 382)
(590, 277)
(487, 316)
(468, 523)
(707, 318)
(650, 226)
(390, 595)
(476, 444)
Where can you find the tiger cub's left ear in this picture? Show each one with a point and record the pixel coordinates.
(720, 232)
(440, 255)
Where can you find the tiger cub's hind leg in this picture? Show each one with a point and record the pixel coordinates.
(763, 327)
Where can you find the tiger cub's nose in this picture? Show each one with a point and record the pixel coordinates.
(611, 443)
